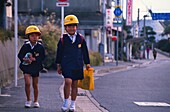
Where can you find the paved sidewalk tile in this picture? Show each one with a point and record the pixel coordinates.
(13, 98)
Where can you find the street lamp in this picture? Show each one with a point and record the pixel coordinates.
(144, 35)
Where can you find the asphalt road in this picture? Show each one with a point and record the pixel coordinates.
(118, 92)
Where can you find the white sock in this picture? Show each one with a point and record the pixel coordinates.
(66, 101)
(72, 102)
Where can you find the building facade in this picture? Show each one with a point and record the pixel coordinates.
(89, 13)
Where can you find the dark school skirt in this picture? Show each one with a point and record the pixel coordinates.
(73, 74)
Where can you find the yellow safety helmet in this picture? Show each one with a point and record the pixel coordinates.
(70, 19)
(32, 29)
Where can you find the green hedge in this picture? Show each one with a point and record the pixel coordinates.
(50, 37)
(95, 58)
(5, 35)
(164, 45)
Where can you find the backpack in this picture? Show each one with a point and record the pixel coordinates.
(82, 38)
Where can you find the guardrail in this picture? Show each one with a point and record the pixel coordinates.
(163, 52)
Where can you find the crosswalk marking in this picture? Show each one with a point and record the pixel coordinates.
(157, 104)
(5, 95)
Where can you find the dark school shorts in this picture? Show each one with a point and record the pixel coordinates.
(32, 75)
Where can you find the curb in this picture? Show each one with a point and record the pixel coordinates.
(85, 101)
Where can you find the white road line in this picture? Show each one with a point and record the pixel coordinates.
(155, 104)
(5, 95)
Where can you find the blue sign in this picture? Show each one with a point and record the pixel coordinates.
(117, 24)
(117, 11)
(160, 16)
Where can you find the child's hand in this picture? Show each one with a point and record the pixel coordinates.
(88, 66)
(27, 60)
(32, 58)
(59, 69)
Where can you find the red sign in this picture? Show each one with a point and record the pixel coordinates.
(62, 0)
(129, 13)
(109, 19)
(114, 38)
(62, 3)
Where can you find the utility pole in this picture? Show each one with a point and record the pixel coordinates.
(104, 30)
(122, 39)
(117, 46)
(144, 34)
(138, 22)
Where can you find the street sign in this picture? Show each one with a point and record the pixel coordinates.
(160, 16)
(117, 24)
(117, 2)
(117, 19)
(62, 0)
(62, 3)
(114, 38)
(118, 11)
(109, 19)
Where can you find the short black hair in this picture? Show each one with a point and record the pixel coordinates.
(72, 25)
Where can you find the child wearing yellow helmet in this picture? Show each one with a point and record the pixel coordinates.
(72, 54)
(31, 55)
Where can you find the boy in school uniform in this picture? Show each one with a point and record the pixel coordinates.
(72, 54)
(31, 55)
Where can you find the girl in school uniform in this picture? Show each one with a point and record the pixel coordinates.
(31, 55)
(72, 54)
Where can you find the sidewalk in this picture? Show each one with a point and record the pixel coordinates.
(12, 98)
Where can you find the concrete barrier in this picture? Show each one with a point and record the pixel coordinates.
(163, 52)
(7, 57)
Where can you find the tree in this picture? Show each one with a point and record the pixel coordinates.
(149, 34)
(166, 23)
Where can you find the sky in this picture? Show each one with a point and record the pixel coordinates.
(157, 6)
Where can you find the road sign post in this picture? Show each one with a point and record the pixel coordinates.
(117, 23)
(62, 4)
(16, 41)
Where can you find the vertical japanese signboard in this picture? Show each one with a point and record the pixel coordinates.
(109, 18)
(129, 13)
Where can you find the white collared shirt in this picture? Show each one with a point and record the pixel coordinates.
(73, 37)
(32, 47)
